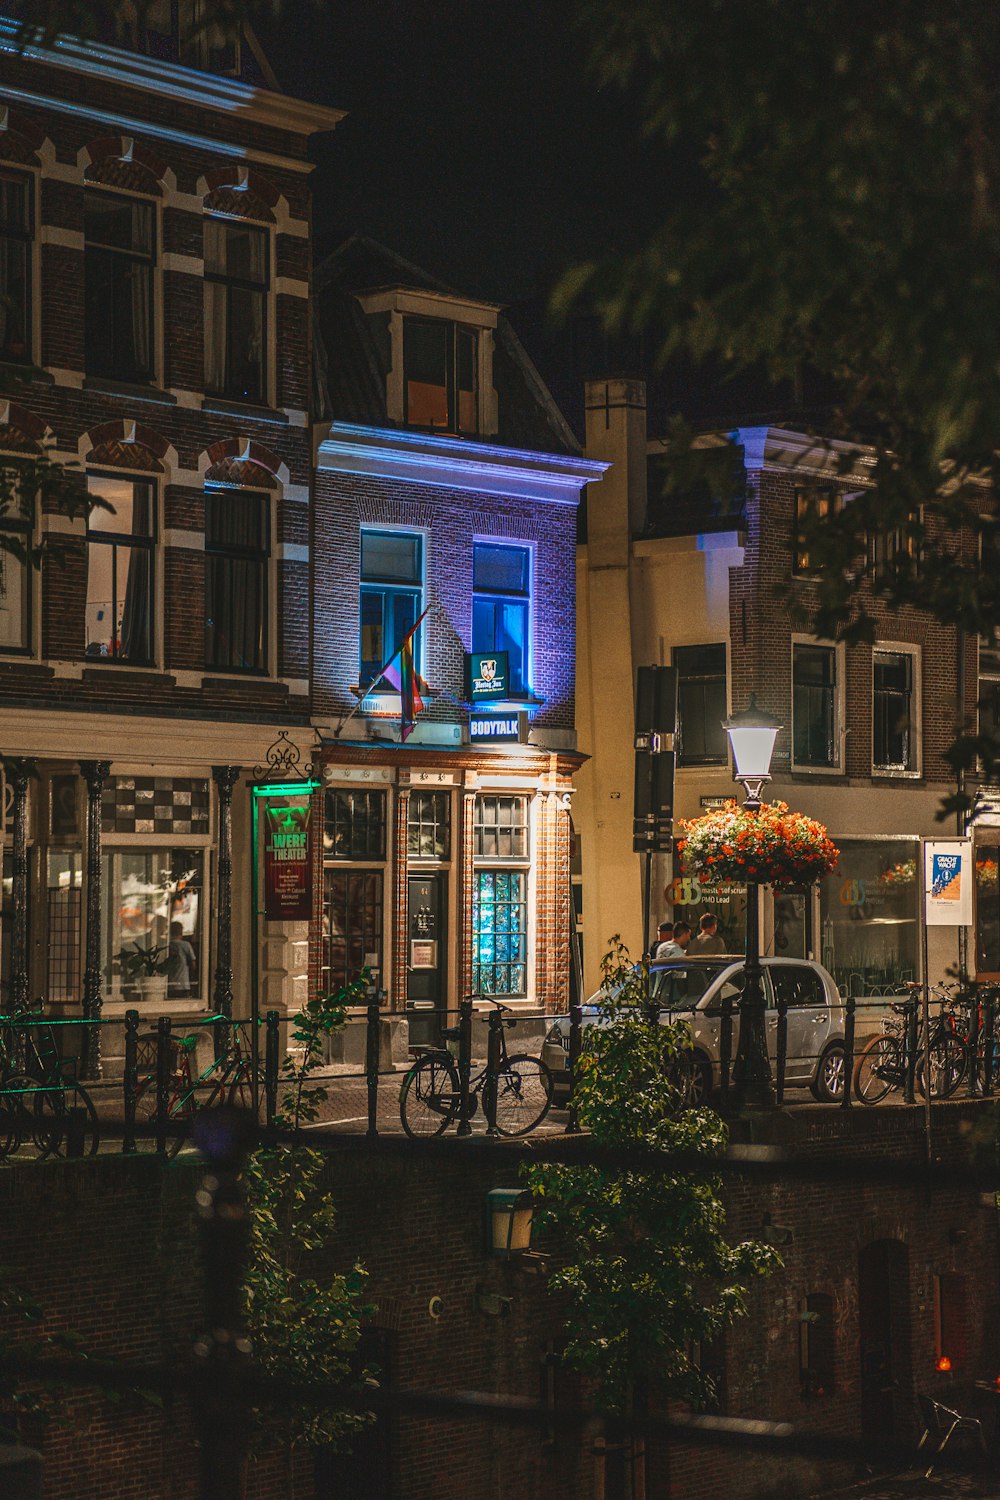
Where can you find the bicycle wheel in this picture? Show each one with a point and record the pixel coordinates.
(17, 1103)
(240, 1094)
(428, 1099)
(949, 1058)
(53, 1128)
(524, 1094)
(878, 1069)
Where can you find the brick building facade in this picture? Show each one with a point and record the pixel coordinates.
(721, 588)
(446, 490)
(156, 340)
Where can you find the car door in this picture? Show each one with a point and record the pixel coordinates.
(708, 1018)
(803, 991)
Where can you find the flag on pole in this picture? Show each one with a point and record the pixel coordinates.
(401, 673)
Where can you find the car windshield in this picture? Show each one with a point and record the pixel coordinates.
(682, 985)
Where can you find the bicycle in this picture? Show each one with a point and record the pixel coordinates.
(882, 1065)
(227, 1079)
(61, 1115)
(430, 1094)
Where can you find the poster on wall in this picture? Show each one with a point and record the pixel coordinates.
(287, 860)
(948, 878)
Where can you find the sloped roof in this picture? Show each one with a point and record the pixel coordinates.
(350, 363)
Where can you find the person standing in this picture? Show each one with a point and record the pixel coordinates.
(181, 962)
(677, 946)
(708, 940)
(664, 936)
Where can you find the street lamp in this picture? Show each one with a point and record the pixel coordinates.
(752, 735)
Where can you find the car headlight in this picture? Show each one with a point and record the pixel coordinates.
(556, 1037)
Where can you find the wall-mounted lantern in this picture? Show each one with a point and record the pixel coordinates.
(509, 1215)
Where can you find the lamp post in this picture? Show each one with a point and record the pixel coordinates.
(752, 735)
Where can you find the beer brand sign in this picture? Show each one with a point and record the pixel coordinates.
(487, 676)
(287, 860)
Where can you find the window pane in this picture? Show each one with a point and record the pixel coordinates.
(701, 704)
(236, 520)
(465, 379)
(153, 898)
(235, 613)
(354, 825)
(118, 223)
(245, 345)
(236, 251)
(352, 926)
(425, 361)
(814, 705)
(120, 570)
(501, 827)
(893, 694)
(118, 316)
(499, 570)
(14, 598)
(499, 932)
(373, 653)
(15, 213)
(131, 502)
(13, 296)
(390, 558)
(484, 613)
(427, 832)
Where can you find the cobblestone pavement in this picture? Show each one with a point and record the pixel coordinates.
(942, 1485)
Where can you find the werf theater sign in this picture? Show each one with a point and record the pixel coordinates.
(948, 882)
(287, 859)
(487, 678)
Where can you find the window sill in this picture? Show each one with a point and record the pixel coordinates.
(243, 679)
(25, 372)
(885, 774)
(96, 666)
(816, 770)
(223, 406)
(150, 393)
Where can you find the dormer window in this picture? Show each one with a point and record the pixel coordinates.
(439, 374)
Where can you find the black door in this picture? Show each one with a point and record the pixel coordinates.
(426, 958)
(884, 1337)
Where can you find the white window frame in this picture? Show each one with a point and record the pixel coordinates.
(380, 697)
(908, 648)
(522, 545)
(839, 708)
(520, 864)
(157, 479)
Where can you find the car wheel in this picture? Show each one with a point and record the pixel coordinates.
(699, 1088)
(828, 1085)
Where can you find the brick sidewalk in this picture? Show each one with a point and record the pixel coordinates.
(942, 1485)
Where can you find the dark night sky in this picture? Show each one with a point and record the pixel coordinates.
(475, 144)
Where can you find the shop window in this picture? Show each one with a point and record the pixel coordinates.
(391, 597)
(701, 704)
(16, 527)
(428, 827)
(950, 1331)
(812, 505)
(499, 932)
(237, 589)
(501, 606)
(501, 827)
(869, 917)
(63, 890)
(120, 572)
(817, 1345)
(894, 711)
(354, 824)
(118, 286)
(352, 926)
(439, 375)
(814, 706)
(15, 267)
(154, 900)
(236, 287)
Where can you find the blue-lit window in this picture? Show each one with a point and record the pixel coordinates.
(499, 933)
(500, 896)
(391, 595)
(501, 606)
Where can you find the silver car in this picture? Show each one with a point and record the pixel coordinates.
(693, 989)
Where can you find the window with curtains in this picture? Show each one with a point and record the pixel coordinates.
(501, 606)
(237, 556)
(439, 375)
(391, 597)
(120, 571)
(814, 705)
(15, 266)
(236, 287)
(812, 506)
(500, 895)
(118, 286)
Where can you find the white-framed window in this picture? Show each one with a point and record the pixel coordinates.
(989, 686)
(119, 286)
(501, 607)
(501, 846)
(440, 375)
(239, 583)
(392, 593)
(896, 719)
(121, 569)
(817, 705)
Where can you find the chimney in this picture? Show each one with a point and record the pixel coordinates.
(616, 433)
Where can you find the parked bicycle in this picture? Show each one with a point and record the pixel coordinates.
(228, 1079)
(882, 1065)
(430, 1096)
(40, 1099)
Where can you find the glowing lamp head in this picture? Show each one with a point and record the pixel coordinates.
(943, 1365)
(752, 735)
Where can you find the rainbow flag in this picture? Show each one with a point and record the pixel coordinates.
(407, 681)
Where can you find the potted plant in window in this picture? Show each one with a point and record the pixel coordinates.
(146, 969)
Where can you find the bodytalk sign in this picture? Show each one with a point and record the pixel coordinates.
(948, 882)
(287, 861)
(487, 676)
